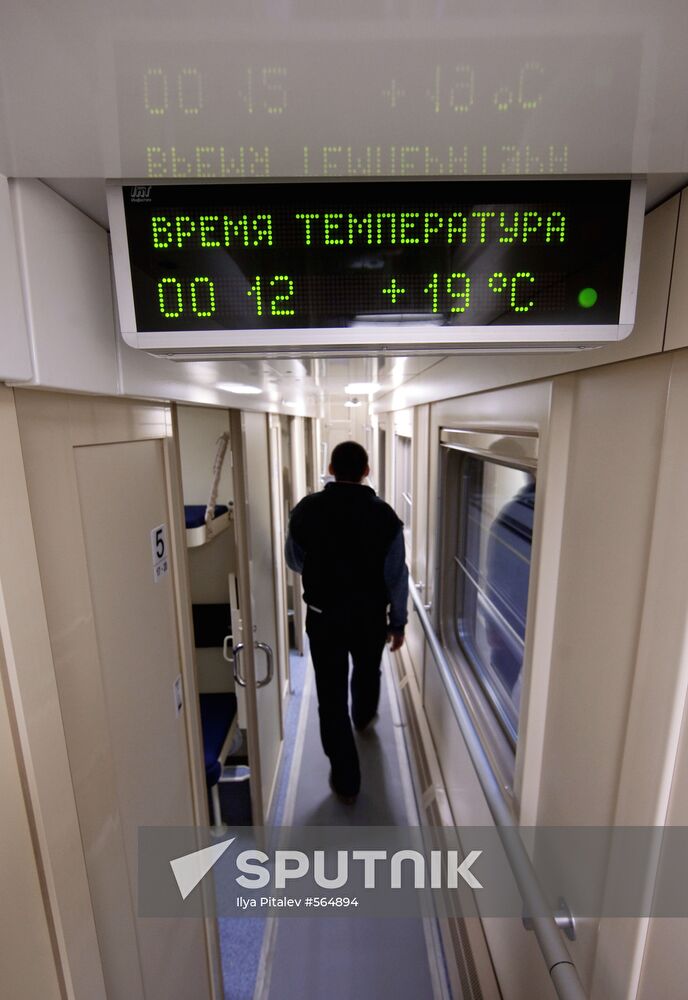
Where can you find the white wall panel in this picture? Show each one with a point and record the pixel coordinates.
(15, 355)
(65, 267)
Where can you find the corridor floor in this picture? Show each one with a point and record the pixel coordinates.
(341, 958)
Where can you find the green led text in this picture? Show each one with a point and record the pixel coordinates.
(276, 292)
(200, 301)
(457, 287)
(509, 286)
(181, 232)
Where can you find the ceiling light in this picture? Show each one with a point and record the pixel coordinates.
(362, 387)
(288, 402)
(240, 388)
(353, 402)
(408, 320)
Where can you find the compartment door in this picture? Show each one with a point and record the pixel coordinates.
(261, 618)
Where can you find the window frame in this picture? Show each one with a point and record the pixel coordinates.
(402, 495)
(516, 451)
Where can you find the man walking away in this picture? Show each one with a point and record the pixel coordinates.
(348, 544)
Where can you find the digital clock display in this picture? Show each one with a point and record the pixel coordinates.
(340, 255)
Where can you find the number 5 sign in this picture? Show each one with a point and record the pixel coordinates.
(161, 563)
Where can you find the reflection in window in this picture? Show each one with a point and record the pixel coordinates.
(493, 568)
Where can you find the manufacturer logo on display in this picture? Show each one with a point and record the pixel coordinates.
(140, 194)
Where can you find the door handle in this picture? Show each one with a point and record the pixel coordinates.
(271, 663)
(233, 658)
(225, 648)
(238, 676)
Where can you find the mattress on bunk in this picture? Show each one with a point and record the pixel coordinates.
(217, 715)
(194, 514)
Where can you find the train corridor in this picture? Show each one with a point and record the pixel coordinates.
(337, 956)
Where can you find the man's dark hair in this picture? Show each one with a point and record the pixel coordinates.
(349, 461)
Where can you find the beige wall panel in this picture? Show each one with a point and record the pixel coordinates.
(460, 781)
(199, 428)
(415, 645)
(417, 558)
(654, 781)
(268, 618)
(617, 424)
(27, 962)
(51, 426)
(459, 376)
(421, 498)
(279, 460)
(665, 967)
(139, 659)
(521, 970)
(213, 672)
(552, 479)
(665, 963)
(677, 316)
(661, 677)
(209, 565)
(40, 725)
(298, 488)
(519, 966)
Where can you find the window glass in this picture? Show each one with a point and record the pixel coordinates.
(493, 569)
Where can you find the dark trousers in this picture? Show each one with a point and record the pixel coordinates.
(333, 636)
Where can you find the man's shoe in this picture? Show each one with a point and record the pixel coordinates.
(348, 800)
(367, 726)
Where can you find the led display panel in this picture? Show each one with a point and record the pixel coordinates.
(272, 268)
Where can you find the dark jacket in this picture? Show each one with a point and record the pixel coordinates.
(348, 546)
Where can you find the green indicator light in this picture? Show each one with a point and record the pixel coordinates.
(587, 298)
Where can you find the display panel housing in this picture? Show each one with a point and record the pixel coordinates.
(278, 268)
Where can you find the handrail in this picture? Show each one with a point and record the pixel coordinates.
(563, 972)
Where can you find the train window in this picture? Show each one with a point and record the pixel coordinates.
(403, 501)
(487, 543)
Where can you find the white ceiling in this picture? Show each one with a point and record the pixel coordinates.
(117, 88)
(91, 89)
